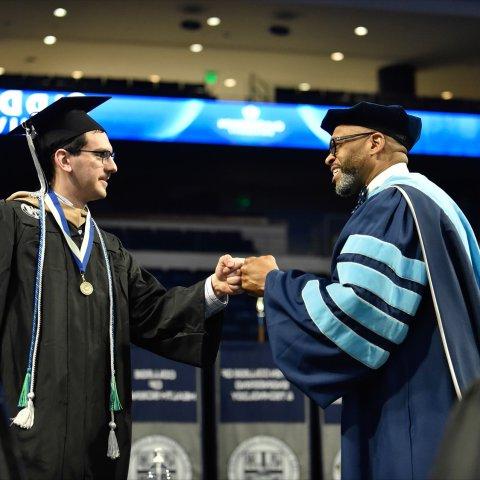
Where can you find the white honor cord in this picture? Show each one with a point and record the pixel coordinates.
(113, 451)
(41, 253)
(40, 174)
(110, 295)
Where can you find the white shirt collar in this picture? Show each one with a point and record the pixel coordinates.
(397, 169)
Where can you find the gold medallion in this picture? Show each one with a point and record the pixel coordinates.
(86, 288)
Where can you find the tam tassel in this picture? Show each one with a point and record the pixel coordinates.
(23, 399)
(26, 416)
(113, 451)
(115, 404)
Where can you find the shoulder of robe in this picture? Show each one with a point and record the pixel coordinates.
(26, 212)
(390, 194)
(7, 206)
(112, 242)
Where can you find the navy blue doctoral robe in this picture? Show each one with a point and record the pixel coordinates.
(393, 330)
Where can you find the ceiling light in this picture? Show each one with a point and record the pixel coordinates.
(2, 70)
(59, 12)
(196, 48)
(229, 82)
(447, 95)
(77, 74)
(304, 87)
(337, 56)
(191, 25)
(360, 31)
(279, 30)
(213, 21)
(49, 40)
(155, 78)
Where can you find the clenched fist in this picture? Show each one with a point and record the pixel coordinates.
(254, 273)
(226, 279)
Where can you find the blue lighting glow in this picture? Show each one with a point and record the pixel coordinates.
(158, 119)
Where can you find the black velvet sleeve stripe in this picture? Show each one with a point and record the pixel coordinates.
(384, 269)
(357, 327)
(381, 305)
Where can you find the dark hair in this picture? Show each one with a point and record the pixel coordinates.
(73, 146)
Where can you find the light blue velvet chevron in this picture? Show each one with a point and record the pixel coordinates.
(366, 314)
(372, 280)
(389, 254)
(344, 337)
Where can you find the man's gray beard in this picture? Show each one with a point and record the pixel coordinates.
(348, 184)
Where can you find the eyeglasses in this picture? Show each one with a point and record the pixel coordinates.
(334, 141)
(103, 155)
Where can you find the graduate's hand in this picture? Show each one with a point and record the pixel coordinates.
(254, 273)
(227, 280)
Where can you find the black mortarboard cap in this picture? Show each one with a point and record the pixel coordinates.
(62, 121)
(392, 120)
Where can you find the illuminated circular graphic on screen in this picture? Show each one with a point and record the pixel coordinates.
(263, 457)
(151, 456)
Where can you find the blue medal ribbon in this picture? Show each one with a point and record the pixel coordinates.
(80, 255)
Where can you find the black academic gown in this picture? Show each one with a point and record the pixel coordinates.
(458, 457)
(69, 437)
(10, 465)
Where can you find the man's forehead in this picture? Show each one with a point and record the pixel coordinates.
(341, 130)
(97, 138)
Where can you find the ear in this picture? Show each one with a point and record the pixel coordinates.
(377, 143)
(62, 160)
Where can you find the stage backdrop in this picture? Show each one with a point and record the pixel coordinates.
(166, 419)
(263, 429)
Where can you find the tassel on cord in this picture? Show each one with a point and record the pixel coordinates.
(23, 399)
(25, 416)
(113, 451)
(115, 404)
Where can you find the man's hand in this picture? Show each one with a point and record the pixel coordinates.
(254, 273)
(227, 280)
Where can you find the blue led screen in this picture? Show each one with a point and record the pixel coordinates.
(130, 117)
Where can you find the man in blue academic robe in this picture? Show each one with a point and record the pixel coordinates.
(394, 329)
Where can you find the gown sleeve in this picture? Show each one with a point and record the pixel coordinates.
(7, 233)
(327, 333)
(171, 322)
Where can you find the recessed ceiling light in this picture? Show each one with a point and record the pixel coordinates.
(2, 70)
(279, 30)
(229, 82)
(213, 21)
(155, 78)
(304, 87)
(77, 74)
(196, 48)
(191, 25)
(360, 31)
(337, 56)
(50, 40)
(447, 95)
(59, 12)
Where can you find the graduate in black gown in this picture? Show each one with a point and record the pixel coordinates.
(457, 457)
(72, 299)
(394, 329)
